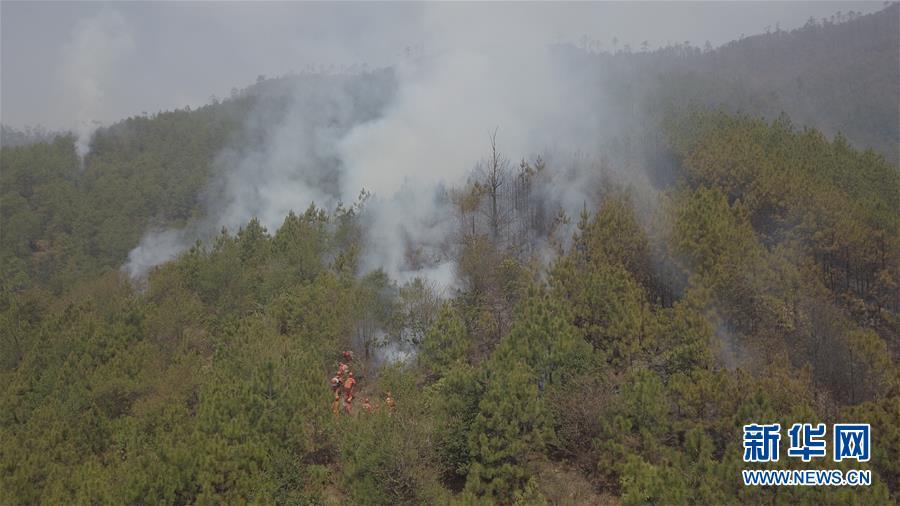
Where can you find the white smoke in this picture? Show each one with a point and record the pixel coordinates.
(157, 247)
(438, 128)
(394, 352)
(429, 136)
(96, 44)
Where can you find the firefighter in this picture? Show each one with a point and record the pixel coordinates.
(342, 369)
(389, 401)
(348, 405)
(349, 383)
(336, 388)
(348, 356)
(367, 406)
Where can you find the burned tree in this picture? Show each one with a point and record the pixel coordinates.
(493, 175)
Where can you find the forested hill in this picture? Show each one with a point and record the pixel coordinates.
(622, 373)
(836, 75)
(610, 357)
(63, 221)
(833, 75)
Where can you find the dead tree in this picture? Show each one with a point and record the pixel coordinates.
(494, 177)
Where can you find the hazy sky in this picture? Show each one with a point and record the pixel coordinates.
(70, 62)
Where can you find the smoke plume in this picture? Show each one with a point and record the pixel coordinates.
(405, 142)
(96, 44)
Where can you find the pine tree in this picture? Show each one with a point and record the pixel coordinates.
(545, 341)
(512, 424)
(445, 342)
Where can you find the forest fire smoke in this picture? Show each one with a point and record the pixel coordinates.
(406, 140)
(96, 44)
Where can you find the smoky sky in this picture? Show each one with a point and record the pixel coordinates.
(69, 64)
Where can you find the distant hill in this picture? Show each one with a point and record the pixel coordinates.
(11, 137)
(835, 76)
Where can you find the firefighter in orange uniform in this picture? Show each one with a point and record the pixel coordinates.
(389, 401)
(336, 388)
(349, 383)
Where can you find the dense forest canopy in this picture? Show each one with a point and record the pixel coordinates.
(589, 328)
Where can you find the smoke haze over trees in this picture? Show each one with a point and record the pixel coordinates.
(579, 267)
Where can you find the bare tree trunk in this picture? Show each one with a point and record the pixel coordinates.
(495, 180)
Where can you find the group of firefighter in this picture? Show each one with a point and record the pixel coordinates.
(344, 383)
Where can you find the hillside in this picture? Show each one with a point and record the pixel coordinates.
(837, 77)
(735, 260)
